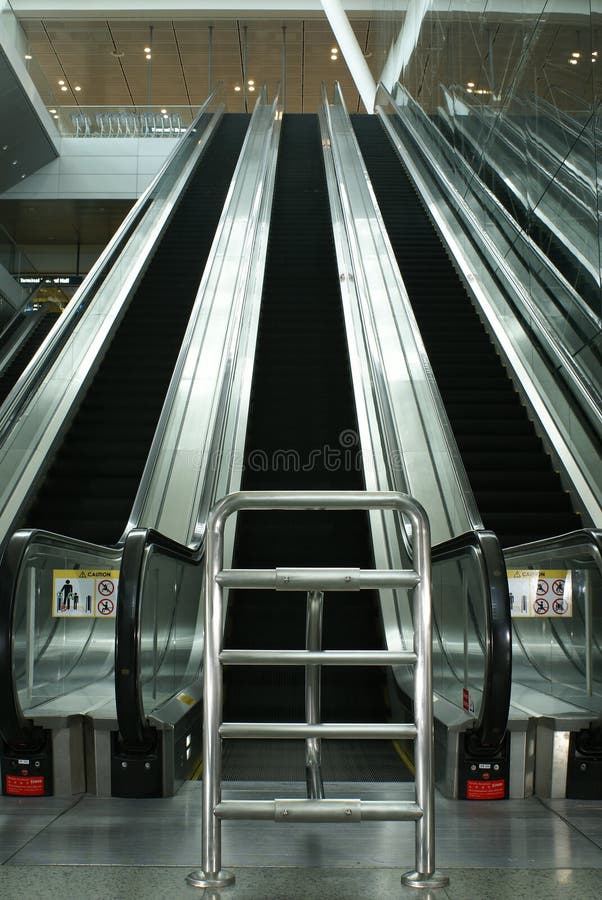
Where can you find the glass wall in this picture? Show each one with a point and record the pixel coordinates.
(514, 86)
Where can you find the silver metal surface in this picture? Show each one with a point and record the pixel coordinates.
(336, 730)
(322, 657)
(572, 444)
(344, 811)
(313, 700)
(214, 730)
(307, 579)
(552, 750)
(517, 834)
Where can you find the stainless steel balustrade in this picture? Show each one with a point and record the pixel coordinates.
(47, 394)
(215, 809)
(482, 263)
(168, 634)
(565, 205)
(407, 445)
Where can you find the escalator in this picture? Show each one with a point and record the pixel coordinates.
(90, 486)
(303, 435)
(10, 375)
(517, 491)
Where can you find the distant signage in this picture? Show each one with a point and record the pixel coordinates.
(58, 280)
(540, 594)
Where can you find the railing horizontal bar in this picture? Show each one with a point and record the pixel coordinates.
(297, 810)
(335, 730)
(309, 579)
(317, 657)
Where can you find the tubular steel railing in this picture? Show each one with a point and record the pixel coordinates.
(317, 809)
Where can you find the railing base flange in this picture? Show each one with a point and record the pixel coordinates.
(219, 879)
(424, 882)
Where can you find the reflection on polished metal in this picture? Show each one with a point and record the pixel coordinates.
(422, 812)
(313, 642)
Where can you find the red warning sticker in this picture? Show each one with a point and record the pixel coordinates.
(32, 786)
(486, 790)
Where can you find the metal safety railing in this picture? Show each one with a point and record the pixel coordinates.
(316, 580)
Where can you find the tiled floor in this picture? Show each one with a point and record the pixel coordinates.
(113, 849)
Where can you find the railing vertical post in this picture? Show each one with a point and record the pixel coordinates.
(211, 875)
(424, 875)
(313, 713)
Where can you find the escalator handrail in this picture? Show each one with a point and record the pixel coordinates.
(17, 731)
(490, 727)
(17, 333)
(570, 540)
(53, 345)
(583, 387)
(135, 733)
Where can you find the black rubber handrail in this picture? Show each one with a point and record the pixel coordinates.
(489, 731)
(568, 541)
(136, 735)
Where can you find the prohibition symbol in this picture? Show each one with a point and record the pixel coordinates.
(105, 607)
(542, 586)
(558, 587)
(105, 587)
(541, 606)
(560, 606)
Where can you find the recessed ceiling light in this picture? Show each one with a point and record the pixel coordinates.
(334, 50)
(148, 56)
(77, 87)
(147, 49)
(5, 147)
(576, 55)
(573, 62)
(470, 90)
(52, 110)
(14, 162)
(64, 88)
(250, 81)
(55, 116)
(22, 176)
(594, 52)
(251, 87)
(163, 110)
(334, 58)
(470, 84)
(28, 56)
(61, 81)
(117, 53)
(236, 87)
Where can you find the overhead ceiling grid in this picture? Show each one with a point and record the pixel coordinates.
(106, 63)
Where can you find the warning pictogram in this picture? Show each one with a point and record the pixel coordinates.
(105, 607)
(543, 593)
(76, 593)
(106, 587)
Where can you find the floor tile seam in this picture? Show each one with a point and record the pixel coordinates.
(568, 822)
(34, 837)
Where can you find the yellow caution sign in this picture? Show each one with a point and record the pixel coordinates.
(84, 593)
(540, 593)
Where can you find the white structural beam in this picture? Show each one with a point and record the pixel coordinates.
(403, 48)
(192, 9)
(174, 9)
(347, 41)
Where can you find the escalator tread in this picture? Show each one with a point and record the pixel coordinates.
(117, 418)
(516, 487)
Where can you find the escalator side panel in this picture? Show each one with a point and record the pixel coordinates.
(90, 487)
(518, 494)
